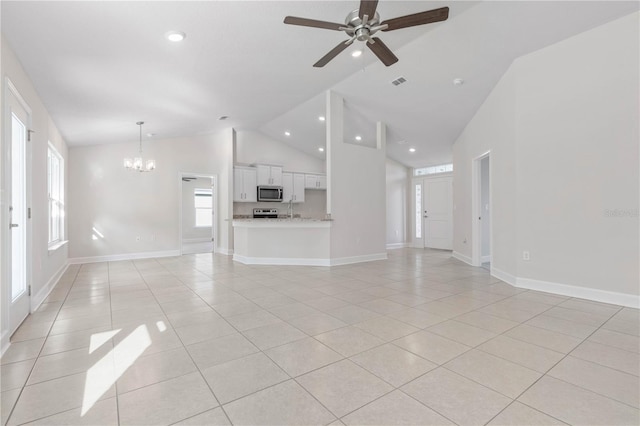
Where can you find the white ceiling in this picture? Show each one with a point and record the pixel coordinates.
(100, 66)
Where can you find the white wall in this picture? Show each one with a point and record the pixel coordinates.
(45, 265)
(254, 147)
(398, 192)
(356, 199)
(189, 229)
(562, 127)
(123, 205)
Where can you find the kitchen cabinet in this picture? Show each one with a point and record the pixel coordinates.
(269, 175)
(293, 185)
(315, 181)
(245, 184)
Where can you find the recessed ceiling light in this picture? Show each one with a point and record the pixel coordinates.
(175, 36)
(356, 53)
(321, 149)
(412, 150)
(321, 118)
(358, 138)
(458, 82)
(287, 134)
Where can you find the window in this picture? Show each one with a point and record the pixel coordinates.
(55, 169)
(418, 220)
(443, 168)
(204, 205)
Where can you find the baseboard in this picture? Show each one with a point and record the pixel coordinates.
(39, 297)
(462, 257)
(622, 299)
(126, 256)
(393, 246)
(485, 259)
(4, 342)
(357, 259)
(280, 261)
(503, 276)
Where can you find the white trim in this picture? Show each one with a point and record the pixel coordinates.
(125, 256)
(225, 251)
(622, 299)
(55, 246)
(393, 246)
(280, 261)
(357, 259)
(4, 342)
(214, 206)
(485, 259)
(37, 299)
(462, 257)
(504, 276)
(476, 208)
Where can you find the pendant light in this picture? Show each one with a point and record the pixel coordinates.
(137, 164)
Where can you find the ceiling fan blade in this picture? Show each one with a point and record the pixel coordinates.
(367, 7)
(332, 54)
(382, 51)
(304, 22)
(428, 17)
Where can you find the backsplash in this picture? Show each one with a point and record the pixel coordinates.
(314, 206)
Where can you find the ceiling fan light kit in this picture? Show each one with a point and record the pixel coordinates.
(362, 23)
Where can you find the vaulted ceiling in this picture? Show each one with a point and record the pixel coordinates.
(100, 66)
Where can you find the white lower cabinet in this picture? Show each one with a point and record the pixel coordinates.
(245, 184)
(293, 185)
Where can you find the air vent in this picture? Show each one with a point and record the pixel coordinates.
(398, 81)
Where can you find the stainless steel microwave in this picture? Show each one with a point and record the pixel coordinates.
(270, 193)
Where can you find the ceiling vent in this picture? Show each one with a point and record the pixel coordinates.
(398, 81)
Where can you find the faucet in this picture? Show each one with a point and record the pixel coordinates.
(290, 208)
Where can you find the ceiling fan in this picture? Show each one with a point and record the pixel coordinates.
(363, 23)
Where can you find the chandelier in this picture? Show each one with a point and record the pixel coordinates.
(137, 164)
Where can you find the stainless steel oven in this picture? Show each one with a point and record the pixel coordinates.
(270, 193)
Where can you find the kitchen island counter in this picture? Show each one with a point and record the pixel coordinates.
(296, 241)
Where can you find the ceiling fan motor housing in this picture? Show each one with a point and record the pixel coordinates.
(362, 30)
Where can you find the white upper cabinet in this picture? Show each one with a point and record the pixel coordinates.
(245, 185)
(269, 175)
(315, 181)
(293, 187)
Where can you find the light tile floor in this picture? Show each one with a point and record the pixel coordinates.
(417, 339)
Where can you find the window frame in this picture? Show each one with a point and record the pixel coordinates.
(56, 198)
(203, 192)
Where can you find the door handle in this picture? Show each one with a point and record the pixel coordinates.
(426, 217)
(13, 225)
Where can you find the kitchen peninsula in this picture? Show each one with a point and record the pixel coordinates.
(287, 241)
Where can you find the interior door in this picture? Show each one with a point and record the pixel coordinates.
(438, 217)
(18, 121)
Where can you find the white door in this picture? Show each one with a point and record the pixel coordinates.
(433, 213)
(18, 120)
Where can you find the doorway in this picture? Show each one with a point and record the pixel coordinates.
(433, 213)
(17, 122)
(198, 200)
(482, 211)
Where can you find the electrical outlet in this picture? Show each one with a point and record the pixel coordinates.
(526, 255)
(138, 238)
(464, 241)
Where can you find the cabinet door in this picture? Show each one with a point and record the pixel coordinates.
(287, 187)
(298, 187)
(322, 182)
(238, 185)
(310, 181)
(250, 185)
(264, 175)
(276, 176)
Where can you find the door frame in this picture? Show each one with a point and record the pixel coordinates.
(214, 203)
(5, 176)
(476, 209)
